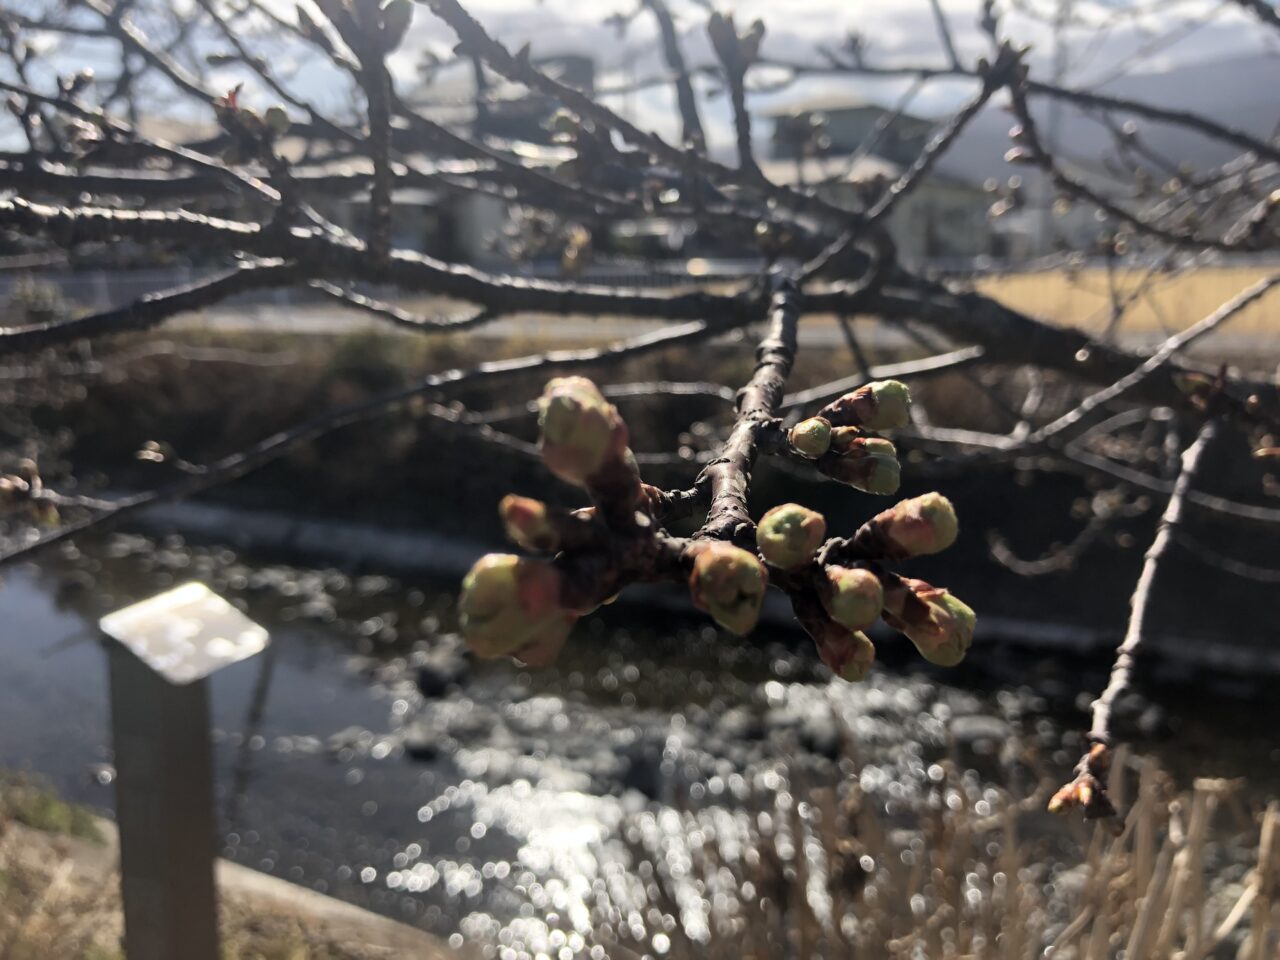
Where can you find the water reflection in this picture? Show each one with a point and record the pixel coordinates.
(661, 789)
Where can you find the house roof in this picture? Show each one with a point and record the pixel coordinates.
(833, 167)
(837, 102)
(838, 168)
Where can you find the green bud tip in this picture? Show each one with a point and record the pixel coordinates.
(729, 583)
(527, 523)
(508, 603)
(789, 534)
(852, 596)
(580, 430)
(882, 405)
(922, 525)
(892, 405)
(811, 437)
(945, 637)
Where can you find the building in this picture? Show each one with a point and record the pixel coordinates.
(850, 151)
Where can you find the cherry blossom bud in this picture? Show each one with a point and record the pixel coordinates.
(919, 526)
(729, 583)
(277, 120)
(849, 653)
(869, 464)
(939, 624)
(527, 524)
(851, 440)
(881, 405)
(852, 596)
(580, 430)
(811, 437)
(509, 603)
(789, 534)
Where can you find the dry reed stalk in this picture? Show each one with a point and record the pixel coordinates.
(1104, 874)
(1266, 880)
(1144, 832)
(1189, 856)
(1151, 904)
(1232, 920)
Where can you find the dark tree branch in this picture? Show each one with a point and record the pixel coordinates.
(728, 476)
(403, 318)
(151, 309)
(1089, 789)
(692, 134)
(944, 34)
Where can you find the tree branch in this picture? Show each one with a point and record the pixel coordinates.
(728, 476)
(1088, 790)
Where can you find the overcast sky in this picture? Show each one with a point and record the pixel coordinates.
(1101, 46)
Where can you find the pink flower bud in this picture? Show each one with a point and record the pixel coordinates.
(527, 524)
(882, 405)
(919, 526)
(851, 441)
(852, 596)
(849, 653)
(869, 464)
(729, 584)
(510, 602)
(811, 437)
(789, 534)
(580, 430)
(940, 625)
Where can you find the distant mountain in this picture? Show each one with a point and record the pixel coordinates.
(1239, 93)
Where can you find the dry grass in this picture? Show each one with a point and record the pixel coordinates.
(818, 871)
(973, 879)
(59, 899)
(1158, 304)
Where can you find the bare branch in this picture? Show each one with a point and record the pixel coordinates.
(692, 134)
(1089, 790)
(728, 476)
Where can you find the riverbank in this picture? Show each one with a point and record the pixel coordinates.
(660, 785)
(59, 901)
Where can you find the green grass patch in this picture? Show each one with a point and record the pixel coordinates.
(27, 800)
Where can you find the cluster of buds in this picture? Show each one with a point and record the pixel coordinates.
(252, 134)
(524, 607)
(836, 599)
(842, 442)
(1088, 791)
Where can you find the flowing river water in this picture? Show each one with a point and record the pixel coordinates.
(364, 756)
